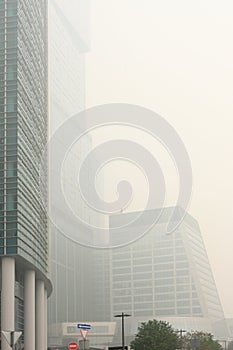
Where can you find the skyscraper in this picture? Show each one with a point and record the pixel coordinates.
(71, 299)
(165, 276)
(23, 135)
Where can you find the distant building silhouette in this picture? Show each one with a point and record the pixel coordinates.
(72, 289)
(165, 276)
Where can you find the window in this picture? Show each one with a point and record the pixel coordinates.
(183, 311)
(11, 73)
(163, 304)
(183, 303)
(142, 268)
(11, 9)
(11, 202)
(143, 306)
(11, 169)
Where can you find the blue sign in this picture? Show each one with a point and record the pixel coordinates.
(84, 326)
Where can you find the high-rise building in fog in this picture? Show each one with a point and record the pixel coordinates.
(164, 276)
(70, 262)
(23, 135)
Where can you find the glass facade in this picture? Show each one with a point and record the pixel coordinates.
(23, 130)
(70, 263)
(155, 278)
(74, 268)
(164, 275)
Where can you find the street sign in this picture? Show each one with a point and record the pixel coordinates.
(84, 326)
(84, 333)
(72, 345)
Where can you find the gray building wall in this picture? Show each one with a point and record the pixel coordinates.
(164, 276)
(70, 262)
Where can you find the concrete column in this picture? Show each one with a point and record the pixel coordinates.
(8, 298)
(40, 319)
(29, 310)
(45, 319)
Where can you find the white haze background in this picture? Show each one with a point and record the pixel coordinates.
(176, 58)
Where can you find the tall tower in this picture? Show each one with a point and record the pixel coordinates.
(70, 300)
(23, 136)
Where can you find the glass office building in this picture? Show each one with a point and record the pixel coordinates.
(23, 135)
(165, 276)
(70, 262)
(162, 276)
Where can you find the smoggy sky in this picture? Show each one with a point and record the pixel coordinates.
(176, 58)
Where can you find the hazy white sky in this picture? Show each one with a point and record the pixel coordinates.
(176, 58)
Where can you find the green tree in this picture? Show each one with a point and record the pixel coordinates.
(156, 335)
(200, 341)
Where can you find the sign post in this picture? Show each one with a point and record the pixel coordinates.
(84, 328)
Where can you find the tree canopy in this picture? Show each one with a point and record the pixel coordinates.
(156, 335)
(200, 341)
